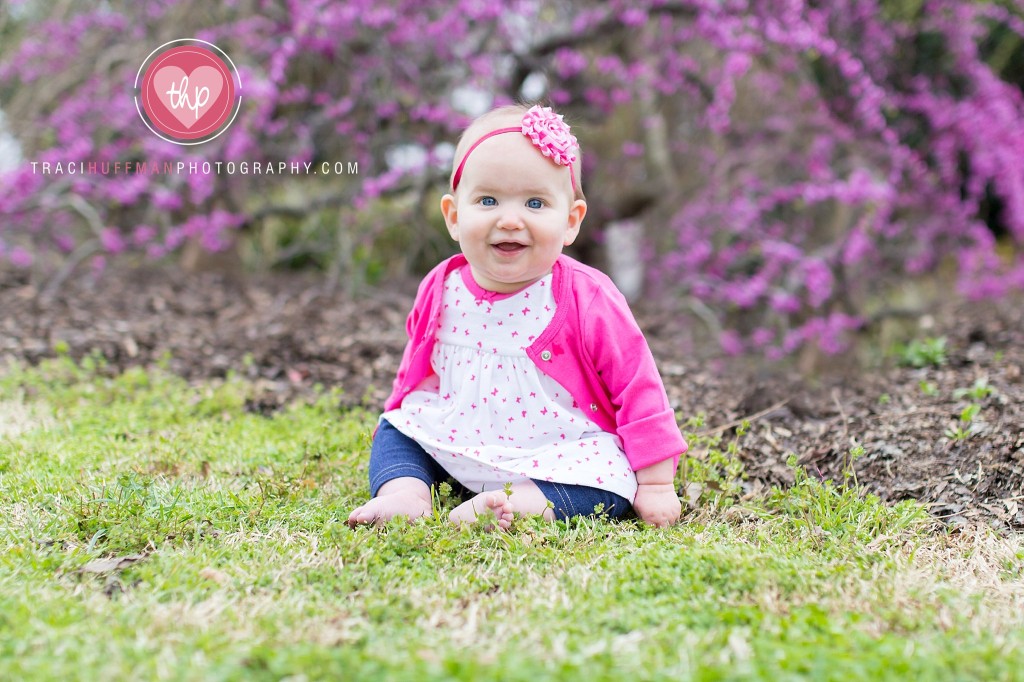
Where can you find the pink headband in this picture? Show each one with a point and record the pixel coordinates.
(548, 132)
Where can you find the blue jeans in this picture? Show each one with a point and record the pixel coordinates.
(395, 455)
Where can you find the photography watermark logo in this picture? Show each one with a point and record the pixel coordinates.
(188, 91)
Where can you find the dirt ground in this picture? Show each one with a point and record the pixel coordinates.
(287, 333)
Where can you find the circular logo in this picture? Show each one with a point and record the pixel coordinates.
(188, 91)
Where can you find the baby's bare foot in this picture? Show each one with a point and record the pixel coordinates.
(383, 508)
(496, 501)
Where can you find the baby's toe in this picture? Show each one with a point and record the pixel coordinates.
(360, 515)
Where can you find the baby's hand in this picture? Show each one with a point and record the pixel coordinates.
(657, 504)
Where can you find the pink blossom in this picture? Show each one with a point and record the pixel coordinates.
(20, 258)
(112, 241)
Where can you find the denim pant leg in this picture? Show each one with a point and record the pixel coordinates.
(395, 455)
(580, 500)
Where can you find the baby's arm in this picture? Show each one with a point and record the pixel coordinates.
(656, 500)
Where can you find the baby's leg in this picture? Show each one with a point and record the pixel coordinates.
(401, 474)
(409, 497)
(526, 498)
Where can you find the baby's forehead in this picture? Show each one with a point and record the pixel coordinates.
(484, 125)
(510, 153)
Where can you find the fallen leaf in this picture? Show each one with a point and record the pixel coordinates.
(1011, 507)
(693, 491)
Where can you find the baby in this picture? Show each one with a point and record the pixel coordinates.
(526, 378)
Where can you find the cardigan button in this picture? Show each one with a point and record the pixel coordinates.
(593, 407)
(545, 355)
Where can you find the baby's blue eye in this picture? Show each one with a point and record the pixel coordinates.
(535, 203)
(489, 201)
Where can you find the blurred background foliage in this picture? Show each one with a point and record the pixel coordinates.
(791, 166)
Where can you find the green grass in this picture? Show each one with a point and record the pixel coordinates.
(240, 566)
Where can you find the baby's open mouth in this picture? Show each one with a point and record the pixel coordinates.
(509, 247)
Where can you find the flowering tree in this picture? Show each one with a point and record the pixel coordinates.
(789, 159)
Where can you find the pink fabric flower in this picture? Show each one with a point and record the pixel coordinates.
(550, 134)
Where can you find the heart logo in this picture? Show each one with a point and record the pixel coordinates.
(188, 96)
(187, 91)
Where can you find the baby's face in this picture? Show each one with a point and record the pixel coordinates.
(513, 213)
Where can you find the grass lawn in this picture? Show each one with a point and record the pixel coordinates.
(152, 530)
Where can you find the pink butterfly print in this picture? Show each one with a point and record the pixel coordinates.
(536, 464)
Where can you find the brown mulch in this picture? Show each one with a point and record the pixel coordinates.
(287, 333)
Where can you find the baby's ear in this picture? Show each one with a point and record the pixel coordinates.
(450, 211)
(577, 212)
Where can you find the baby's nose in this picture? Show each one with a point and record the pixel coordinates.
(510, 219)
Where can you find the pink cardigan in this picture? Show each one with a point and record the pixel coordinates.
(593, 347)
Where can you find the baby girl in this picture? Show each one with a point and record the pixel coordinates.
(525, 379)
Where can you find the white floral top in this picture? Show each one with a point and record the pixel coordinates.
(488, 415)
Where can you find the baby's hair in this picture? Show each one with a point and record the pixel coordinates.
(507, 115)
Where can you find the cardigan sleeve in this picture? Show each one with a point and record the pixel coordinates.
(619, 352)
(413, 330)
